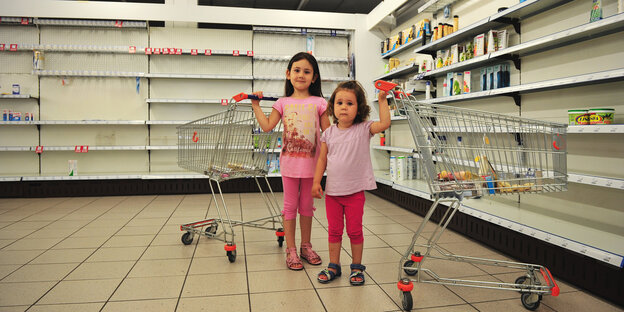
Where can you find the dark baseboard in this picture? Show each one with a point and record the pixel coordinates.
(597, 277)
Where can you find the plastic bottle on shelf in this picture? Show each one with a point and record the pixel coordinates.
(428, 90)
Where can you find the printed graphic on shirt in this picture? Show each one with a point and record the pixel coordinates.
(300, 130)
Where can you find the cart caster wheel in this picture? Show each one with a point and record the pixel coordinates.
(530, 301)
(211, 229)
(407, 301)
(280, 241)
(410, 272)
(187, 238)
(231, 255)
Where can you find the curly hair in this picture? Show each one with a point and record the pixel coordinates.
(315, 87)
(363, 110)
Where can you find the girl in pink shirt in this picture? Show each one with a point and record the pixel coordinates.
(345, 153)
(302, 112)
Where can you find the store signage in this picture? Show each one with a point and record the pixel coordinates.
(236, 53)
(81, 149)
(132, 49)
(193, 51)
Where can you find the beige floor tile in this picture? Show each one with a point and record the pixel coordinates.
(14, 308)
(387, 228)
(15, 234)
(81, 291)
(215, 284)
(141, 288)
(266, 247)
(424, 295)
(474, 295)
(18, 256)
(129, 241)
(281, 280)
(162, 305)
(139, 230)
(24, 226)
(117, 254)
(369, 220)
(230, 303)
(383, 273)
(31, 244)
(169, 239)
(276, 261)
(578, 301)
(63, 256)
(360, 298)
(453, 308)
(380, 255)
(213, 248)
(6, 269)
(101, 270)
(51, 233)
(160, 267)
(168, 252)
(74, 307)
(23, 293)
(40, 272)
(216, 265)
(402, 239)
(511, 305)
(81, 242)
(96, 231)
(298, 300)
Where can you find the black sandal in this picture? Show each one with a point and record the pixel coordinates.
(329, 273)
(357, 274)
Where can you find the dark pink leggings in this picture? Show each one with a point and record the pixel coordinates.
(349, 207)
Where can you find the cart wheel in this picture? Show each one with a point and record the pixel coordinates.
(407, 301)
(410, 272)
(231, 255)
(530, 301)
(211, 229)
(187, 238)
(280, 240)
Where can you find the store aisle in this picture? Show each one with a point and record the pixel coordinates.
(125, 254)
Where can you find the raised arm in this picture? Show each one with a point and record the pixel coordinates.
(266, 123)
(321, 165)
(384, 114)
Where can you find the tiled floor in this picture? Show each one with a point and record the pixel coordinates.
(125, 254)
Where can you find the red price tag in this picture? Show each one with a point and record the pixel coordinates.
(156, 50)
(13, 47)
(132, 49)
(81, 149)
(24, 21)
(165, 50)
(179, 51)
(148, 51)
(249, 53)
(119, 24)
(2, 46)
(193, 51)
(39, 149)
(224, 102)
(236, 53)
(208, 52)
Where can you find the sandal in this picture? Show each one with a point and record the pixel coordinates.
(310, 255)
(355, 274)
(329, 274)
(292, 260)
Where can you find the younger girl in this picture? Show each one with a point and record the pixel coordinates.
(302, 112)
(345, 153)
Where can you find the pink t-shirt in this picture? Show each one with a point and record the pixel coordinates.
(349, 167)
(301, 137)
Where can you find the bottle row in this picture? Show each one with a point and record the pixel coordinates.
(10, 115)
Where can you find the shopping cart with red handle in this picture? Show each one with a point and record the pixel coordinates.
(224, 146)
(465, 153)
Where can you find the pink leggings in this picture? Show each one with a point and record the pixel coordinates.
(349, 206)
(297, 197)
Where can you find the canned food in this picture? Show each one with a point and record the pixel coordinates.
(578, 117)
(601, 116)
(16, 88)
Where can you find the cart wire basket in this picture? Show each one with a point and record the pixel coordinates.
(465, 153)
(224, 146)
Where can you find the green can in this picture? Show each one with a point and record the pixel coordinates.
(578, 117)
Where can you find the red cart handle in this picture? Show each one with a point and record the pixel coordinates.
(385, 85)
(242, 96)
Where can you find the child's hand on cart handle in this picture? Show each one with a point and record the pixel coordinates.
(317, 190)
(256, 101)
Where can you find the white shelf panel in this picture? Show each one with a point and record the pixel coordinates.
(282, 78)
(200, 76)
(191, 101)
(286, 58)
(162, 147)
(403, 70)
(477, 208)
(90, 23)
(16, 96)
(394, 149)
(87, 73)
(596, 129)
(301, 31)
(596, 180)
(15, 148)
(167, 122)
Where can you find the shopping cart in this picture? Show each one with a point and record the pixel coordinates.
(225, 146)
(468, 153)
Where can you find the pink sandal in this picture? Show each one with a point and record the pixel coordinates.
(310, 255)
(292, 260)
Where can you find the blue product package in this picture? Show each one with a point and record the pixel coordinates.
(490, 184)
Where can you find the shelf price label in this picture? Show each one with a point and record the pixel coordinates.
(193, 51)
(178, 51)
(208, 52)
(39, 149)
(2, 45)
(81, 149)
(156, 50)
(236, 53)
(148, 51)
(224, 102)
(165, 51)
(24, 21)
(132, 49)
(13, 47)
(119, 24)
(249, 53)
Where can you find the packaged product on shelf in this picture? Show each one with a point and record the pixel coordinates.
(5, 115)
(435, 34)
(427, 26)
(483, 79)
(496, 76)
(26, 116)
(17, 116)
(455, 23)
(37, 60)
(492, 41)
(383, 47)
(428, 90)
(410, 168)
(479, 45)
(467, 78)
(578, 117)
(16, 89)
(454, 54)
(507, 75)
(458, 83)
(444, 87)
(401, 168)
(415, 168)
(601, 116)
(382, 139)
(449, 84)
(393, 168)
(596, 11)
(490, 78)
(503, 39)
(73, 167)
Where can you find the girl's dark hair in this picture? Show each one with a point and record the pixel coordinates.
(315, 87)
(363, 110)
